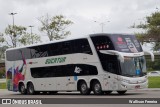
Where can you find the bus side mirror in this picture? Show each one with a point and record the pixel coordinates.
(149, 53)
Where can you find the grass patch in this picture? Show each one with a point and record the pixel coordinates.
(2, 85)
(153, 82)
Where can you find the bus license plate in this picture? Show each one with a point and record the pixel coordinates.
(137, 86)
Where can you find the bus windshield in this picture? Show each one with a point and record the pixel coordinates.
(133, 66)
(126, 43)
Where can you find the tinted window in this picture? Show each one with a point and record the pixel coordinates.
(60, 48)
(110, 63)
(39, 51)
(102, 43)
(55, 49)
(14, 55)
(26, 53)
(66, 47)
(64, 70)
(82, 46)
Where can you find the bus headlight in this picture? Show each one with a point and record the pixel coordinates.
(126, 81)
(123, 80)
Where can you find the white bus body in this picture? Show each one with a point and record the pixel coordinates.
(98, 63)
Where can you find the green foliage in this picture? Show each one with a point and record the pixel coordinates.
(2, 38)
(154, 82)
(3, 86)
(55, 26)
(2, 50)
(14, 32)
(2, 72)
(29, 39)
(18, 36)
(152, 30)
(152, 66)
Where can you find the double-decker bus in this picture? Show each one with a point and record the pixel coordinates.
(101, 63)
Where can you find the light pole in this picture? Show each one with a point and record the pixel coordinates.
(157, 9)
(14, 34)
(102, 24)
(12, 17)
(31, 33)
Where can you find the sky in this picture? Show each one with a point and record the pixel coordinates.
(117, 15)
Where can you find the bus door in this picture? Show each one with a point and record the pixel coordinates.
(110, 65)
(113, 69)
(110, 78)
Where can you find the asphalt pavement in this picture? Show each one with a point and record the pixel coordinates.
(153, 93)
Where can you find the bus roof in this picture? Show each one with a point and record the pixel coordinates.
(109, 34)
(62, 40)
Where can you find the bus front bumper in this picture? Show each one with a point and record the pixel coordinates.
(129, 86)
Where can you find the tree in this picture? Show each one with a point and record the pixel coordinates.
(29, 39)
(17, 35)
(2, 38)
(2, 72)
(14, 33)
(151, 34)
(2, 50)
(152, 30)
(55, 26)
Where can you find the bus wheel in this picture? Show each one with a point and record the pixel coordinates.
(30, 89)
(53, 92)
(97, 89)
(84, 88)
(121, 92)
(22, 89)
(108, 92)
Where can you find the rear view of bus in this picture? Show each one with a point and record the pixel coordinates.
(122, 57)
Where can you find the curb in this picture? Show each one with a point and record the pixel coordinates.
(151, 89)
(2, 89)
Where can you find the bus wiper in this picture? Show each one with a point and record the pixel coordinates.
(128, 75)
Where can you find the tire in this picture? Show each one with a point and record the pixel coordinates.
(44, 92)
(37, 92)
(53, 92)
(121, 92)
(84, 88)
(108, 92)
(30, 89)
(22, 89)
(97, 89)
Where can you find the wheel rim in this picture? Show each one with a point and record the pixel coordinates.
(97, 88)
(30, 89)
(83, 87)
(22, 89)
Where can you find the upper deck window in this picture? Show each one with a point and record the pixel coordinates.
(102, 43)
(119, 42)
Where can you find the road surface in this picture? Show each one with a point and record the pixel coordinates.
(138, 94)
